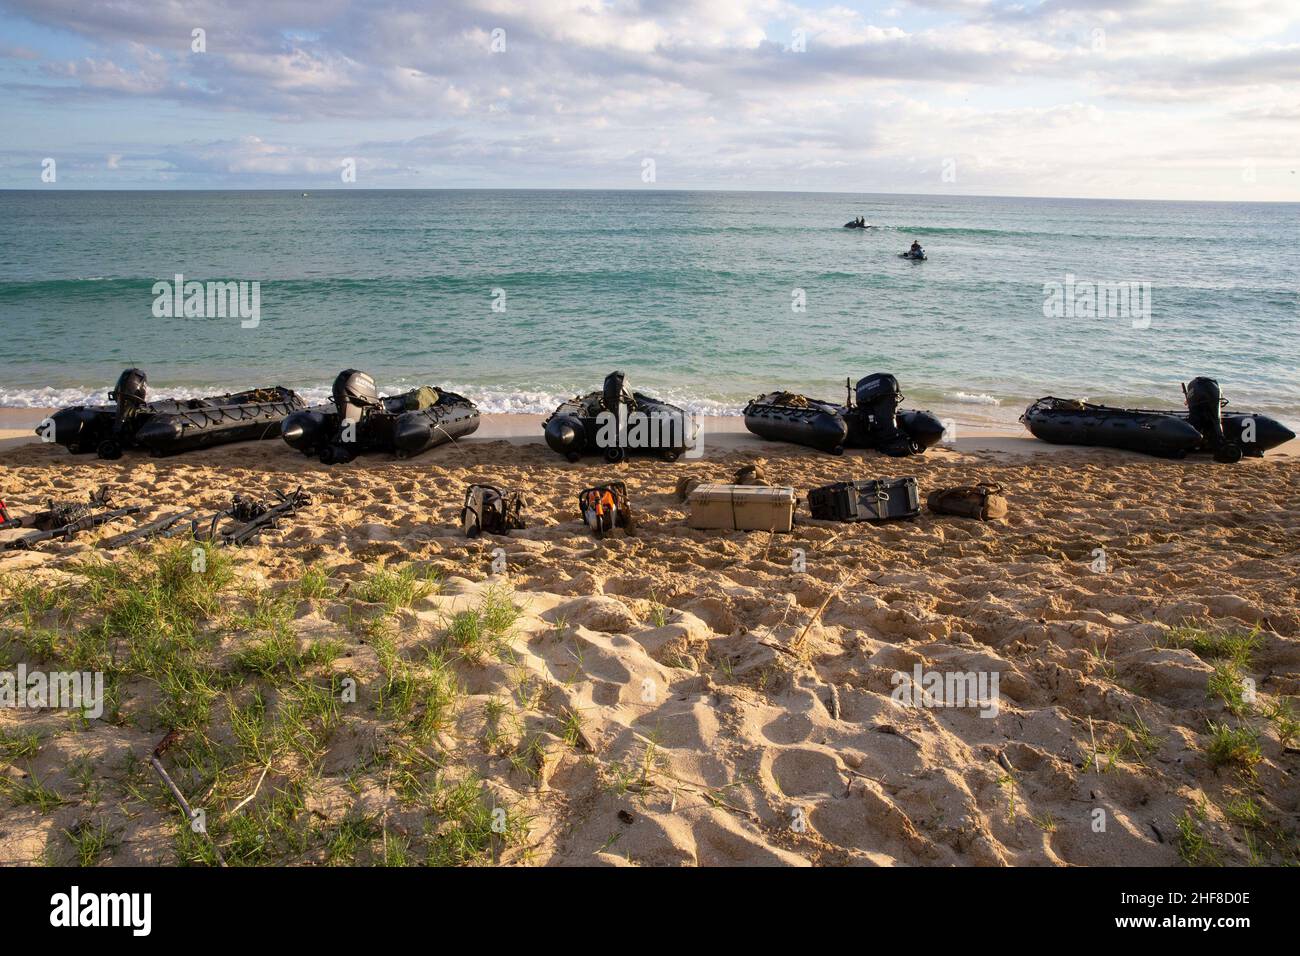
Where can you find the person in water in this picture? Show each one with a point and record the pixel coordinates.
(916, 248)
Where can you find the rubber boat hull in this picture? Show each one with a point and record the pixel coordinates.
(582, 425)
(816, 425)
(1066, 422)
(831, 428)
(169, 427)
(1164, 434)
(907, 255)
(389, 427)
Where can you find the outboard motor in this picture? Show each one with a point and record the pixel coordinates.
(1204, 413)
(129, 394)
(354, 393)
(878, 398)
(615, 395)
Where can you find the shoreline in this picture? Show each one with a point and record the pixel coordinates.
(722, 434)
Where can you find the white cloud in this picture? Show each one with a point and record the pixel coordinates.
(583, 88)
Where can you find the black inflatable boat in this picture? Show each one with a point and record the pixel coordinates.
(404, 424)
(1065, 421)
(169, 426)
(616, 422)
(1202, 427)
(798, 419)
(870, 419)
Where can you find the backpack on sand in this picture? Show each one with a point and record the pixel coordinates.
(490, 510)
(983, 501)
(605, 507)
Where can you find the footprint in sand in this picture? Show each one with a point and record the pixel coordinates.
(801, 772)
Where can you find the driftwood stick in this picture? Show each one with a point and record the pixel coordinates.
(818, 613)
(156, 763)
(249, 799)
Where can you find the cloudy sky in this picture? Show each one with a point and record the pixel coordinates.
(1172, 99)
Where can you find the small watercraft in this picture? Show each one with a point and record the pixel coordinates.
(616, 422)
(918, 256)
(1064, 421)
(1174, 433)
(798, 419)
(360, 420)
(855, 224)
(870, 419)
(169, 426)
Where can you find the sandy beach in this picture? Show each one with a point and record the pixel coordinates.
(674, 696)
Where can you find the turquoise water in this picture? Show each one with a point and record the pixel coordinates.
(690, 293)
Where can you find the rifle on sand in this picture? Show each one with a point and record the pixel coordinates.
(144, 532)
(261, 516)
(252, 517)
(65, 520)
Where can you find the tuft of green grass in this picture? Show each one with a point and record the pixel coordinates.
(92, 842)
(1144, 741)
(658, 612)
(1280, 713)
(16, 746)
(1233, 746)
(1045, 822)
(571, 729)
(1226, 684)
(31, 792)
(1236, 647)
(314, 583)
(396, 849)
(400, 588)
(279, 655)
(1194, 847)
(485, 630)
(1245, 812)
(345, 842)
(152, 607)
(426, 693)
(30, 600)
(472, 827)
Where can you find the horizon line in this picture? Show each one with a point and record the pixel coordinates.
(697, 189)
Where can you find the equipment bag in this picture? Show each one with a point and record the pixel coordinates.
(605, 507)
(983, 501)
(885, 500)
(878, 397)
(489, 510)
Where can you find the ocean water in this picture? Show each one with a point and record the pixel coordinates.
(706, 298)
